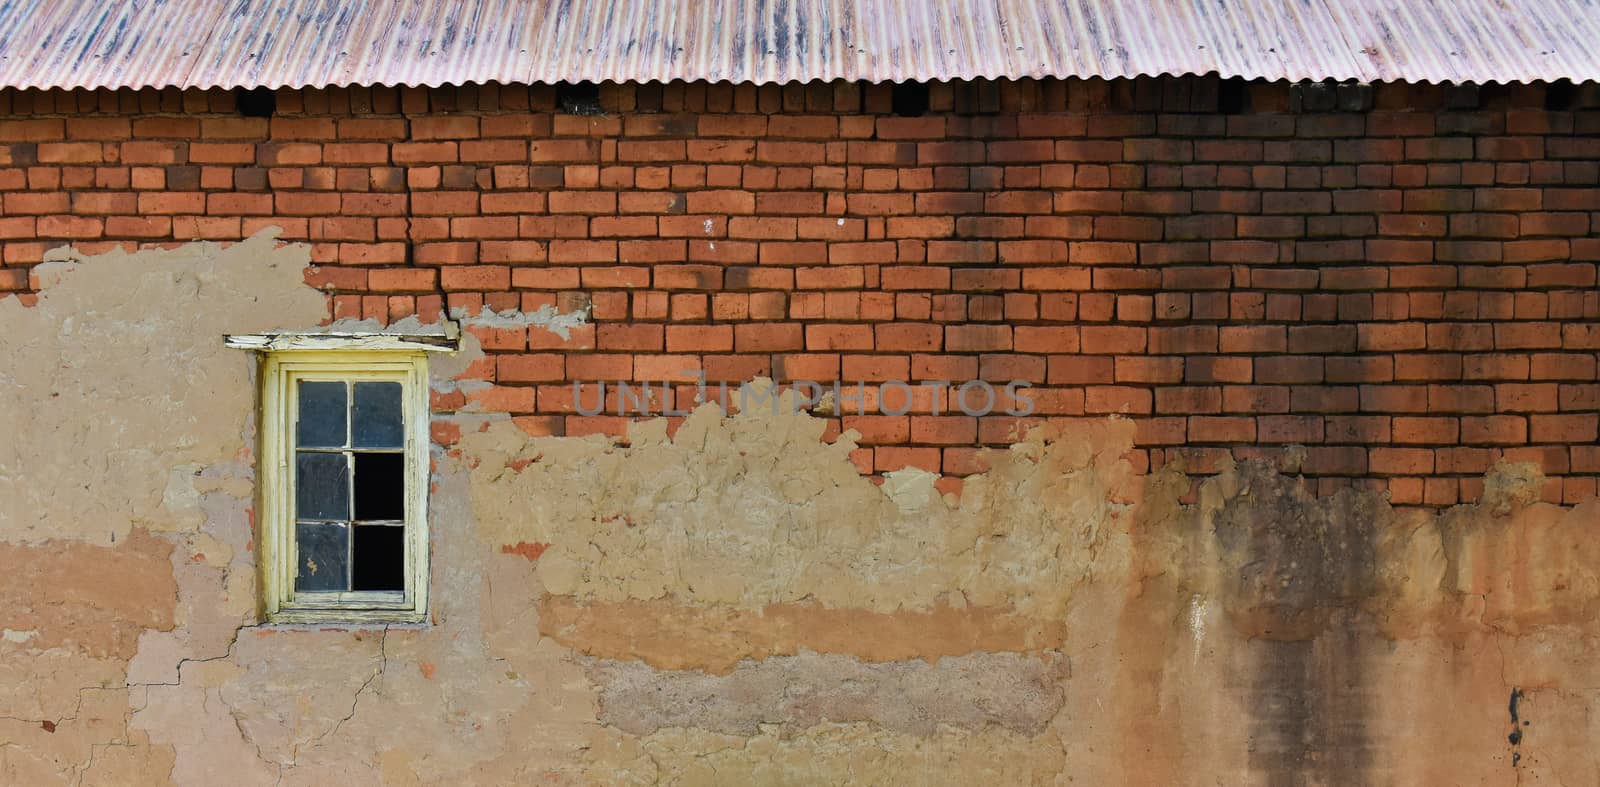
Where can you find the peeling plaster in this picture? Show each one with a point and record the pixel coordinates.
(734, 603)
(753, 509)
(547, 317)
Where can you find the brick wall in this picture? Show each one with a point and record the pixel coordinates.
(1401, 279)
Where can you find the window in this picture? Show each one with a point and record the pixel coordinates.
(344, 479)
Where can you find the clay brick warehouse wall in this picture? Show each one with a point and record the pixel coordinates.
(1382, 297)
(1401, 279)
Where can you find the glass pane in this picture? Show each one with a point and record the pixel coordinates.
(322, 486)
(324, 557)
(380, 486)
(380, 558)
(322, 410)
(378, 419)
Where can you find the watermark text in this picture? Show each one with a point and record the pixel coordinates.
(889, 397)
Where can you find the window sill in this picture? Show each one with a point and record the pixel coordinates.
(328, 618)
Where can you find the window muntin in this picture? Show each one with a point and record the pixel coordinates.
(350, 486)
(345, 486)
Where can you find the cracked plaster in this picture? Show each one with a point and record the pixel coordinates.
(1084, 624)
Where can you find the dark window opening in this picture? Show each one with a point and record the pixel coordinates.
(380, 558)
(578, 98)
(260, 102)
(909, 99)
(380, 487)
(1559, 95)
(1231, 95)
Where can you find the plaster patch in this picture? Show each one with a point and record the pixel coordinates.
(47, 593)
(454, 373)
(674, 636)
(754, 509)
(118, 376)
(1018, 693)
(910, 488)
(547, 317)
(854, 753)
(407, 326)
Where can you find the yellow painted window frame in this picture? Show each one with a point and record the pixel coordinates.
(281, 371)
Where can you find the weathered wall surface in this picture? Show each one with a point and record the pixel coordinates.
(730, 601)
(1401, 279)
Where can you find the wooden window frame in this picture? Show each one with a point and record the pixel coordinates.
(282, 370)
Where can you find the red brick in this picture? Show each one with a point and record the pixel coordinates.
(71, 153)
(1392, 336)
(944, 430)
(233, 128)
(1400, 461)
(1425, 430)
(1185, 399)
(1576, 428)
(1215, 429)
(1369, 285)
(70, 227)
(1113, 399)
(1253, 339)
(977, 338)
(444, 127)
(402, 280)
(838, 337)
(874, 368)
(909, 338)
(475, 277)
(879, 429)
(1296, 429)
(529, 368)
(214, 153)
(1494, 430)
(633, 337)
(699, 338)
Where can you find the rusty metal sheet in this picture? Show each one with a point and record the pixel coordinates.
(275, 43)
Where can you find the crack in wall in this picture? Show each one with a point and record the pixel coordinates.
(355, 700)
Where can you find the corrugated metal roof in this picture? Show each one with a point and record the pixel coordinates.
(275, 43)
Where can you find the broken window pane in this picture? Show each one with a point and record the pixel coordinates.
(322, 486)
(323, 557)
(322, 413)
(378, 419)
(380, 557)
(380, 486)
